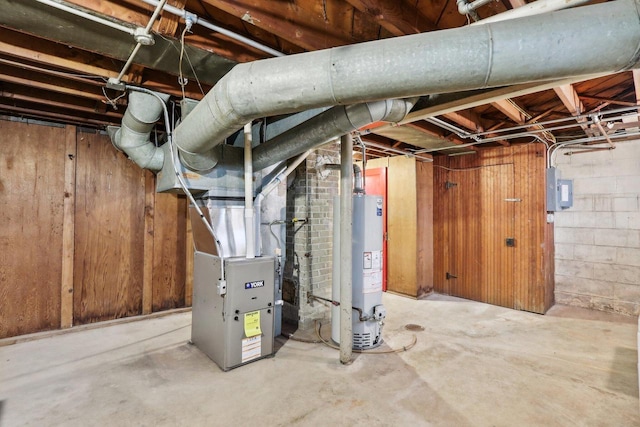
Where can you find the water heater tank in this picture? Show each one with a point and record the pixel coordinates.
(368, 313)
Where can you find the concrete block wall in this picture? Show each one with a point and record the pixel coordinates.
(309, 246)
(597, 242)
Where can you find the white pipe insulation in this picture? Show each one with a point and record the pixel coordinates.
(591, 39)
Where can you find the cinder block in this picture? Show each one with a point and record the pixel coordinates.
(599, 185)
(583, 203)
(626, 274)
(602, 304)
(628, 256)
(626, 204)
(602, 203)
(591, 253)
(627, 184)
(594, 219)
(627, 308)
(570, 268)
(626, 150)
(575, 300)
(627, 220)
(564, 219)
(581, 286)
(564, 251)
(609, 237)
(574, 235)
(624, 292)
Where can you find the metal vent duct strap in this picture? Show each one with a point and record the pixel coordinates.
(590, 39)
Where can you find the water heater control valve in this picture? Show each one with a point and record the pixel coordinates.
(379, 312)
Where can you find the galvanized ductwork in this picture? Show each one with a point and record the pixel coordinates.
(142, 113)
(586, 40)
(326, 126)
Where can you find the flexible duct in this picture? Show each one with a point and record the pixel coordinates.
(585, 40)
(142, 113)
(326, 126)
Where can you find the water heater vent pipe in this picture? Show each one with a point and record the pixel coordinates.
(248, 192)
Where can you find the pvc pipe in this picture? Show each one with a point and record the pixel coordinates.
(346, 226)
(197, 20)
(248, 193)
(530, 9)
(566, 43)
(89, 16)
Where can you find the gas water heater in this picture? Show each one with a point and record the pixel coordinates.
(368, 312)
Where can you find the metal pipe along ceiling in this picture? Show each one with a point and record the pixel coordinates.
(585, 40)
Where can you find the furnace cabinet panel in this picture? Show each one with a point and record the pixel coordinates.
(224, 327)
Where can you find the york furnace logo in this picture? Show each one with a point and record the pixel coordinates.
(253, 285)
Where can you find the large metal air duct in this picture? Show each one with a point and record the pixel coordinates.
(326, 126)
(142, 113)
(586, 40)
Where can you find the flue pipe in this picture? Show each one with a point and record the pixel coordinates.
(143, 111)
(591, 39)
(346, 250)
(248, 192)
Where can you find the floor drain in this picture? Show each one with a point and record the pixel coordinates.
(413, 327)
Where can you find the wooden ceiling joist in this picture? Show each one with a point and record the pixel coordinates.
(569, 97)
(397, 17)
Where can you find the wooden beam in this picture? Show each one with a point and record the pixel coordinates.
(68, 229)
(517, 3)
(397, 17)
(636, 83)
(149, 209)
(608, 100)
(299, 23)
(486, 97)
(54, 100)
(467, 119)
(439, 133)
(60, 117)
(509, 109)
(168, 23)
(569, 97)
(53, 54)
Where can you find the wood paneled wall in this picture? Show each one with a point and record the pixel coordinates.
(409, 224)
(480, 201)
(83, 235)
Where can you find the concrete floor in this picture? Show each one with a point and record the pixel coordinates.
(474, 365)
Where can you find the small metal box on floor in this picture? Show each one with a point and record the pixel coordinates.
(237, 327)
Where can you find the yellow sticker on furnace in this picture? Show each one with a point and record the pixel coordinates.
(252, 324)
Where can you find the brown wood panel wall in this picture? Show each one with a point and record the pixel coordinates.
(32, 165)
(401, 225)
(170, 244)
(109, 233)
(424, 231)
(494, 195)
(71, 200)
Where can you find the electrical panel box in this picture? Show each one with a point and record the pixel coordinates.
(237, 327)
(559, 191)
